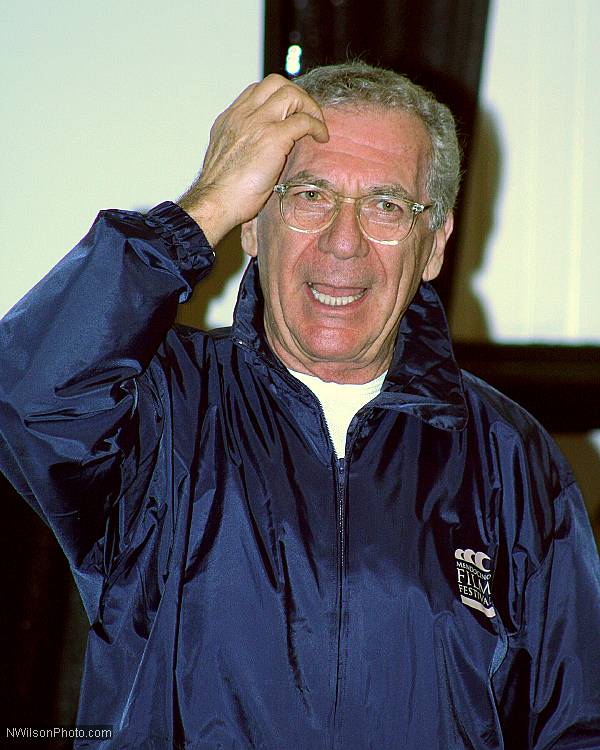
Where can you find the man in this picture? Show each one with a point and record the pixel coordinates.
(311, 530)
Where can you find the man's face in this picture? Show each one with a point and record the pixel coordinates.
(301, 273)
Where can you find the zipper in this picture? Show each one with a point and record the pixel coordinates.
(340, 475)
(341, 478)
(341, 486)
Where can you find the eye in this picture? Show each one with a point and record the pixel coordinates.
(309, 198)
(310, 195)
(385, 209)
(387, 206)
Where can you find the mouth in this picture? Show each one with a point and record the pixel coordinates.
(336, 296)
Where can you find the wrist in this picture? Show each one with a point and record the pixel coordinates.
(208, 213)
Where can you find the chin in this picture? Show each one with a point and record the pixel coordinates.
(335, 348)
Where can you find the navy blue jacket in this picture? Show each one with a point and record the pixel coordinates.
(436, 588)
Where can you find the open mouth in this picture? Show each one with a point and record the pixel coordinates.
(337, 300)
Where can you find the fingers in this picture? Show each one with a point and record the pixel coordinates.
(275, 98)
(261, 91)
(290, 100)
(300, 124)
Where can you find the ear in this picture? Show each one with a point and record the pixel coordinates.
(436, 257)
(249, 241)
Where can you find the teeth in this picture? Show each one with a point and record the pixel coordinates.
(327, 299)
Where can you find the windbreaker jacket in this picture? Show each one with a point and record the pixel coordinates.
(438, 587)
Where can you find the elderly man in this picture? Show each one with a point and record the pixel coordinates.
(310, 530)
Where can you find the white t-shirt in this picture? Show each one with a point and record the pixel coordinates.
(340, 402)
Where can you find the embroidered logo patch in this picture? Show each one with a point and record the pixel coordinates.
(474, 580)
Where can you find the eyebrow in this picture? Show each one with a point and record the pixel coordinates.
(391, 189)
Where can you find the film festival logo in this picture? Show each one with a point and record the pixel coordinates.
(474, 580)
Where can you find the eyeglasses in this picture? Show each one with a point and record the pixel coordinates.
(384, 218)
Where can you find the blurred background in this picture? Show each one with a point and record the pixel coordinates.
(110, 105)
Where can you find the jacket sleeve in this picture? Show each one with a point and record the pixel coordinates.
(548, 684)
(78, 409)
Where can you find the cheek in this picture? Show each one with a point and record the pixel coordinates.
(403, 276)
(412, 263)
(267, 242)
(397, 272)
(278, 263)
(285, 256)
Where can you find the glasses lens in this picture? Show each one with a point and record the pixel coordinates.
(385, 218)
(307, 207)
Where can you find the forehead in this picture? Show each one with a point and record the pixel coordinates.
(367, 147)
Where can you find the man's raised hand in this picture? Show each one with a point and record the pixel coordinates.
(249, 143)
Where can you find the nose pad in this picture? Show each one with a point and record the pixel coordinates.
(344, 238)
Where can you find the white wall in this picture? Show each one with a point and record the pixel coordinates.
(530, 254)
(107, 105)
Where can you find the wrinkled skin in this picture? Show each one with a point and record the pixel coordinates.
(351, 342)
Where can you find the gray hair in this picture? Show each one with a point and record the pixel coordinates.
(357, 83)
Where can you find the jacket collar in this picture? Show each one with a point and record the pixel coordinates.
(423, 380)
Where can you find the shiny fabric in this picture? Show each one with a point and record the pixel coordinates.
(245, 588)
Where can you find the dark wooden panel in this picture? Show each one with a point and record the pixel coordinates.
(559, 385)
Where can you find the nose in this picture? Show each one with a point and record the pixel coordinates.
(344, 238)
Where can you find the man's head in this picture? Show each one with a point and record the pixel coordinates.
(334, 298)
